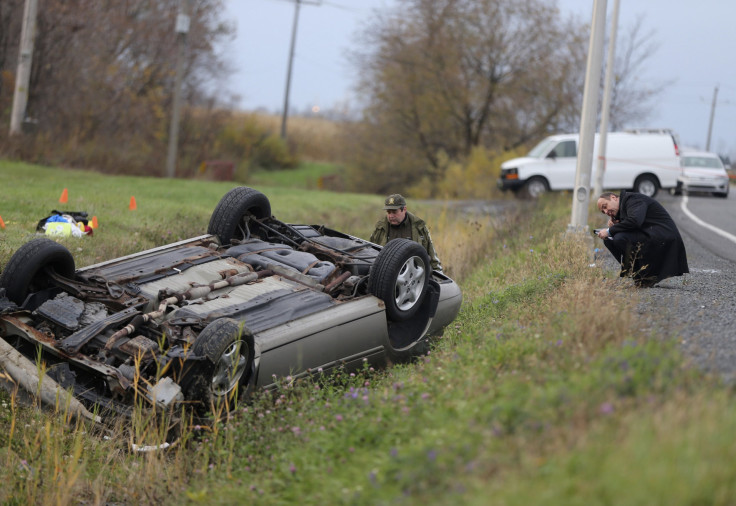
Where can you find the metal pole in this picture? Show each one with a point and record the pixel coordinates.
(606, 106)
(25, 59)
(712, 115)
(581, 197)
(181, 29)
(285, 114)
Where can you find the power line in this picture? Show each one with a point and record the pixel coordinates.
(285, 115)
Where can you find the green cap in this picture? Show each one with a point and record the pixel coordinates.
(394, 201)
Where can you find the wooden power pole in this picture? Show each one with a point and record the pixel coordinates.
(181, 29)
(25, 58)
(285, 113)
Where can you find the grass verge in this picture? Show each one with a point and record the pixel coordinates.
(543, 391)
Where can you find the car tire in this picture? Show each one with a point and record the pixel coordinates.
(534, 188)
(26, 270)
(230, 218)
(399, 277)
(646, 185)
(227, 350)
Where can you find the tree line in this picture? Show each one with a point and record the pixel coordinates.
(443, 79)
(448, 87)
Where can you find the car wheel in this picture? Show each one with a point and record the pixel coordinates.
(646, 185)
(26, 270)
(227, 348)
(399, 277)
(534, 188)
(230, 218)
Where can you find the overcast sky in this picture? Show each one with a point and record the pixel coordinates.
(696, 50)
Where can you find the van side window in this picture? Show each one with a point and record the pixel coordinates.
(566, 149)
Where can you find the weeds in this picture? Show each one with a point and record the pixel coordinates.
(543, 391)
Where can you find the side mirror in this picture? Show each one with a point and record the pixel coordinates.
(552, 155)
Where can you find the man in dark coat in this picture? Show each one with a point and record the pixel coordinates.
(642, 236)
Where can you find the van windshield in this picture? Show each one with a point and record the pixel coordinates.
(541, 149)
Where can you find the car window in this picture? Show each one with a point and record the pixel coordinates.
(702, 162)
(565, 149)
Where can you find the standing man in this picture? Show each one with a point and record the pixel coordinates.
(642, 236)
(400, 223)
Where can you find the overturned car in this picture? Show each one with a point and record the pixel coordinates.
(215, 316)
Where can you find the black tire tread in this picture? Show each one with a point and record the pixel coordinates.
(29, 260)
(219, 337)
(231, 209)
(646, 177)
(211, 343)
(382, 278)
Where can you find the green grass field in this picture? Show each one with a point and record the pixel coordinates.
(544, 390)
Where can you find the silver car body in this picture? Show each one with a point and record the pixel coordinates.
(702, 172)
(307, 303)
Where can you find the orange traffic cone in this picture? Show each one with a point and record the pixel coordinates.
(2, 223)
(64, 197)
(94, 222)
(132, 206)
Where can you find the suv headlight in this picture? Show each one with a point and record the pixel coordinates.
(512, 173)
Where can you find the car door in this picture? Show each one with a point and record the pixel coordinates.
(561, 163)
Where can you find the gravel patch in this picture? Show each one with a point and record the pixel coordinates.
(697, 309)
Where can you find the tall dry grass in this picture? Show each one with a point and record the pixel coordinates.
(312, 138)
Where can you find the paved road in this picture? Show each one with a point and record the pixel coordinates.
(709, 220)
(699, 309)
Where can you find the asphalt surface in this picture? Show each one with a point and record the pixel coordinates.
(697, 309)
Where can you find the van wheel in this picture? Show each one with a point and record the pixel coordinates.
(646, 185)
(534, 188)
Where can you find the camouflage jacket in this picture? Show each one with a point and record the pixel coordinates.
(419, 233)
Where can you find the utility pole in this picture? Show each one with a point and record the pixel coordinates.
(581, 197)
(712, 115)
(606, 106)
(182, 29)
(285, 114)
(23, 75)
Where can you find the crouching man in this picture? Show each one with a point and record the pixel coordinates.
(642, 236)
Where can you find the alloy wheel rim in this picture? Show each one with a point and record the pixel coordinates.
(229, 369)
(410, 283)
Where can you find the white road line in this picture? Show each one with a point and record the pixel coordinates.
(703, 224)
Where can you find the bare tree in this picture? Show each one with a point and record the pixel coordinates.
(443, 76)
(104, 79)
(632, 97)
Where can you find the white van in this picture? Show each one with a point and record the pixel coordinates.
(642, 160)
